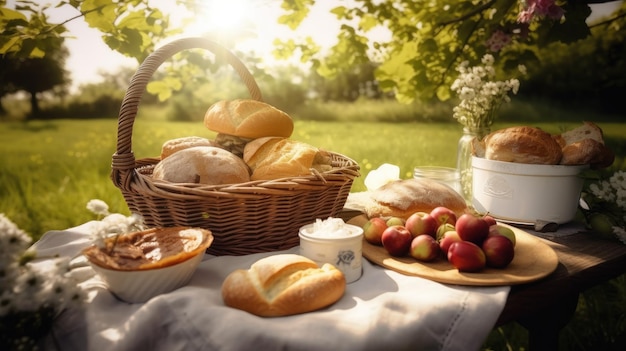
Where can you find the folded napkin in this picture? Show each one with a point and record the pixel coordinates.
(382, 310)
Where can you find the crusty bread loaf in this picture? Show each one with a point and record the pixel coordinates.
(204, 165)
(588, 130)
(275, 157)
(171, 146)
(150, 249)
(402, 198)
(247, 118)
(522, 144)
(585, 145)
(283, 284)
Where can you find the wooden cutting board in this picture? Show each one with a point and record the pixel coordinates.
(533, 260)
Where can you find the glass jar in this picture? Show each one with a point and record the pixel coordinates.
(445, 175)
(464, 158)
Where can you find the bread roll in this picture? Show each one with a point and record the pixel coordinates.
(283, 284)
(171, 146)
(585, 145)
(150, 249)
(404, 197)
(274, 157)
(204, 165)
(522, 145)
(239, 121)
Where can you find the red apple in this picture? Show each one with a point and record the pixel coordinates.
(443, 229)
(391, 221)
(490, 220)
(397, 240)
(472, 228)
(424, 248)
(421, 223)
(447, 240)
(499, 229)
(443, 215)
(498, 250)
(466, 256)
(373, 230)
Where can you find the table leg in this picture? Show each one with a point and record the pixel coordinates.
(544, 328)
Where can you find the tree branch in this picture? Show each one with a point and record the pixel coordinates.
(475, 11)
(81, 14)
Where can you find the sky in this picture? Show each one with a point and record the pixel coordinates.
(89, 55)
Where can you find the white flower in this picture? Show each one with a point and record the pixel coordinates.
(113, 224)
(487, 60)
(608, 197)
(98, 207)
(620, 233)
(31, 291)
(479, 93)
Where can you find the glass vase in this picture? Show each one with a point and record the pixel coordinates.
(464, 158)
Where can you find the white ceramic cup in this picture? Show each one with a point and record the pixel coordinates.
(342, 251)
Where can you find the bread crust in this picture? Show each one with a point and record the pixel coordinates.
(203, 165)
(275, 157)
(522, 145)
(579, 146)
(404, 197)
(585, 145)
(171, 146)
(248, 118)
(283, 284)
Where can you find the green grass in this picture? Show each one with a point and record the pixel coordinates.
(50, 169)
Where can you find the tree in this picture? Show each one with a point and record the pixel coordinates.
(129, 27)
(38, 74)
(428, 39)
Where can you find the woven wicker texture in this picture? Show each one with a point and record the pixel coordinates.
(245, 218)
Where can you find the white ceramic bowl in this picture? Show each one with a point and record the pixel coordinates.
(526, 193)
(141, 286)
(169, 258)
(345, 252)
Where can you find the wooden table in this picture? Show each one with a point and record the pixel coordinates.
(544, 307)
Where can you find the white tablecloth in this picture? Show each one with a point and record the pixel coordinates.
(382, 310)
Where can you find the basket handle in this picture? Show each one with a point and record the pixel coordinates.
(124, 159)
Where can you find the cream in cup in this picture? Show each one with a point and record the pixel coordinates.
(336, 242)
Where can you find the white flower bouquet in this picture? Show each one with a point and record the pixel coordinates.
(31, 295)
(112, 224)
(603, 204)
(480, 94)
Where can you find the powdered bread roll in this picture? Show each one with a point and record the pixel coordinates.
(204, 165)
(273, 158)
(150, 249)
(239, 121)
(404, 197)
(522, 145)
(171, 146)
(283, 284)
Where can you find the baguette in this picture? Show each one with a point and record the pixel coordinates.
(283, 284)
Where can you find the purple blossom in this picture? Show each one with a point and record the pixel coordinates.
(540, 9)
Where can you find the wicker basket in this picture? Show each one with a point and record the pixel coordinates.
(251, 217)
